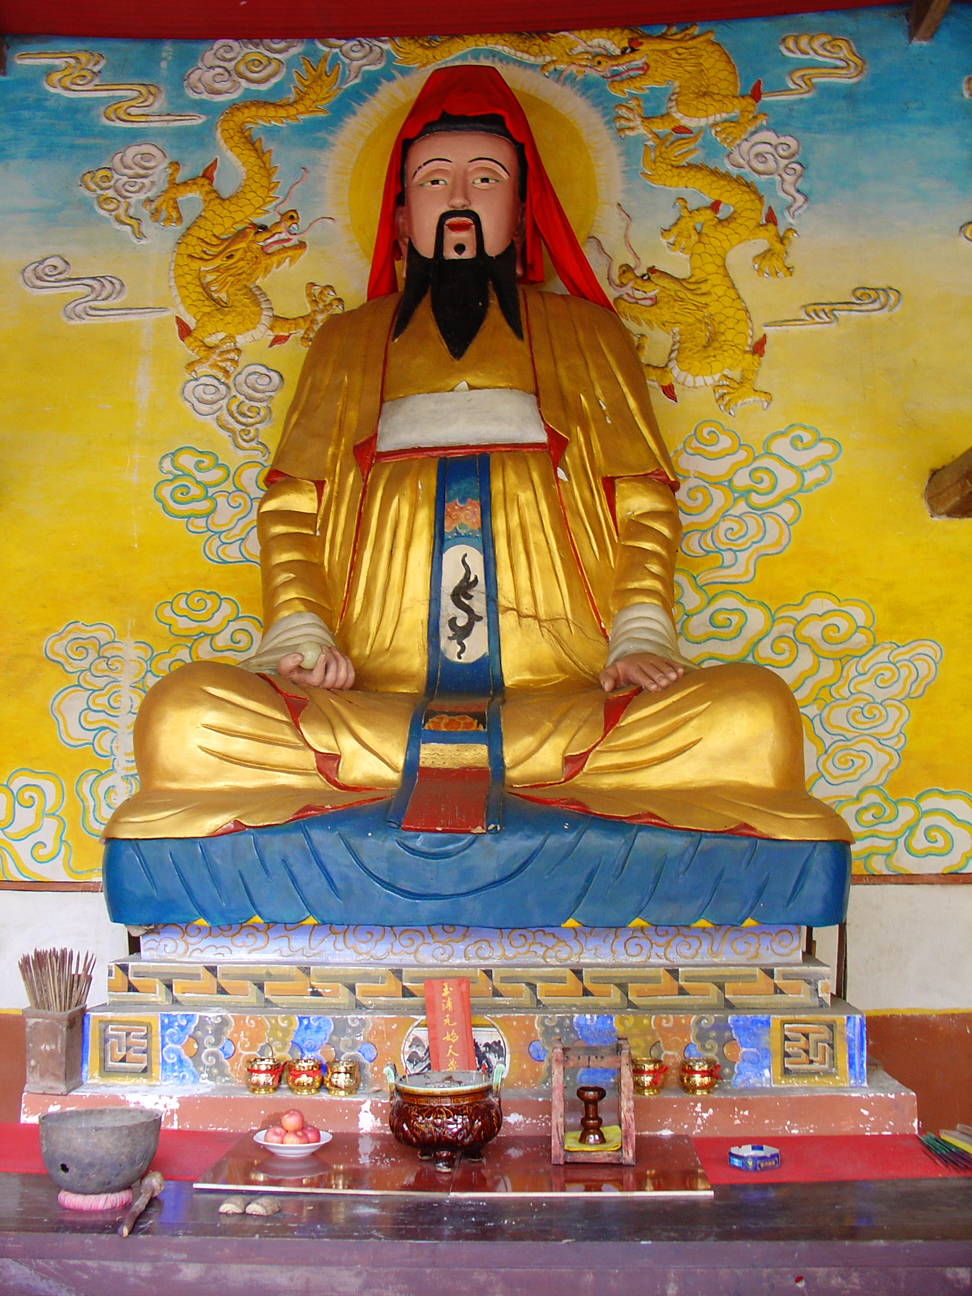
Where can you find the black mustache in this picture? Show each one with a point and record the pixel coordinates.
(459, 289)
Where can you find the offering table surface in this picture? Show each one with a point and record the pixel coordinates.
(510, 1167)
(876, 1238)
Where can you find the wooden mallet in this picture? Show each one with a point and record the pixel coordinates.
(149, 1187)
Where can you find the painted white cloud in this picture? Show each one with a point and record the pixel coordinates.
(228, 67)
(739, 505)
(33, 842)
(767, 155)
(111, 676)
(213, 501)
(241, 408)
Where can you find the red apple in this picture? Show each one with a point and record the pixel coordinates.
(292, 1120)
(275, 1134)
(292, 1137)
(311, 1134)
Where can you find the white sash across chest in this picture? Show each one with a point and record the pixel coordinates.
(492, 416)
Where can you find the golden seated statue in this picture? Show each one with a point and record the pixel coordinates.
(468, 543)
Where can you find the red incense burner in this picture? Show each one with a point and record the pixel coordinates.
(443, 1113)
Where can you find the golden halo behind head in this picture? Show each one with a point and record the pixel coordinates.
(577, 150)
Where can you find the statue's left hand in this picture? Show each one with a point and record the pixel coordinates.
(643, 670)
(333, 670)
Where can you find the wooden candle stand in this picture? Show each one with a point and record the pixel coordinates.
(616, 1057)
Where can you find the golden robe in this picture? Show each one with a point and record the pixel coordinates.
(582, 529)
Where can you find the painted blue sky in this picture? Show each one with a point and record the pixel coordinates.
(894, 145)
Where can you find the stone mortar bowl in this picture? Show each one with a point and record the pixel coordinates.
(98, 1149)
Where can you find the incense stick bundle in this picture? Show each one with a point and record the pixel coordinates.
(56, 980)
(946, 1154)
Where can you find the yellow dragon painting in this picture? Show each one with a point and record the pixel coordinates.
(710, 328)
(703, 79)
(702, 76)
(551, 51)
(225, 252)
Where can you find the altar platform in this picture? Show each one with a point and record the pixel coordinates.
(185, 1013)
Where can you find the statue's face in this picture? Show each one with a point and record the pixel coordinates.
(458, 172)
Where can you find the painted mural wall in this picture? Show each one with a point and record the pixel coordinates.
(781, 210)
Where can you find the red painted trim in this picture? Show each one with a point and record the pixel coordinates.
(446, 705)
(445, 800)
(309, 811)
(453, 452)
(305, 812)
(364, 453)
(578, 807)
(24, 885)
(188, 20)
(661, 476)
(326, 762)
(615, 705)
(658, 475)
(295, 707)
(354, 552)
(610, 494)
(327, 766)
(272, 681)
(274, 475)
(650, 820)
(234, 826)
(557, 443)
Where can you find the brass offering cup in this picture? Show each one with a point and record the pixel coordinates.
(648, 1075)
(343, 1078)
(699, 1075)
(263, 1074)
(305, 1075)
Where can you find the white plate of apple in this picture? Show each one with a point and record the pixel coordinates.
(292, 1137)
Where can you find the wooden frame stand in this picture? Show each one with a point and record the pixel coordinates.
(617, 1058)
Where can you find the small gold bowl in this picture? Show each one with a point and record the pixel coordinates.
(343, 1078)
(263, 1074)
(699, 1075)
(648, 1075)
(305, 1075)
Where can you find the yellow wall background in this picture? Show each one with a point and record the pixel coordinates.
(128, 512)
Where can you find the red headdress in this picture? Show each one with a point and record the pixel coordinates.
(472, 90)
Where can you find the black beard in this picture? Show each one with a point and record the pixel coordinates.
(459, 289)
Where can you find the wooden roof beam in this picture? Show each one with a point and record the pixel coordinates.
(948, 493)
(924, 17)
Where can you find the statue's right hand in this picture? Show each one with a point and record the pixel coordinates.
(332, 670)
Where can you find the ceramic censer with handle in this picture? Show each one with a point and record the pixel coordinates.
(443, 1113)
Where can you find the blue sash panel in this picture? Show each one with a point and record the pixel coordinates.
(464, 685)
(464, 655)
